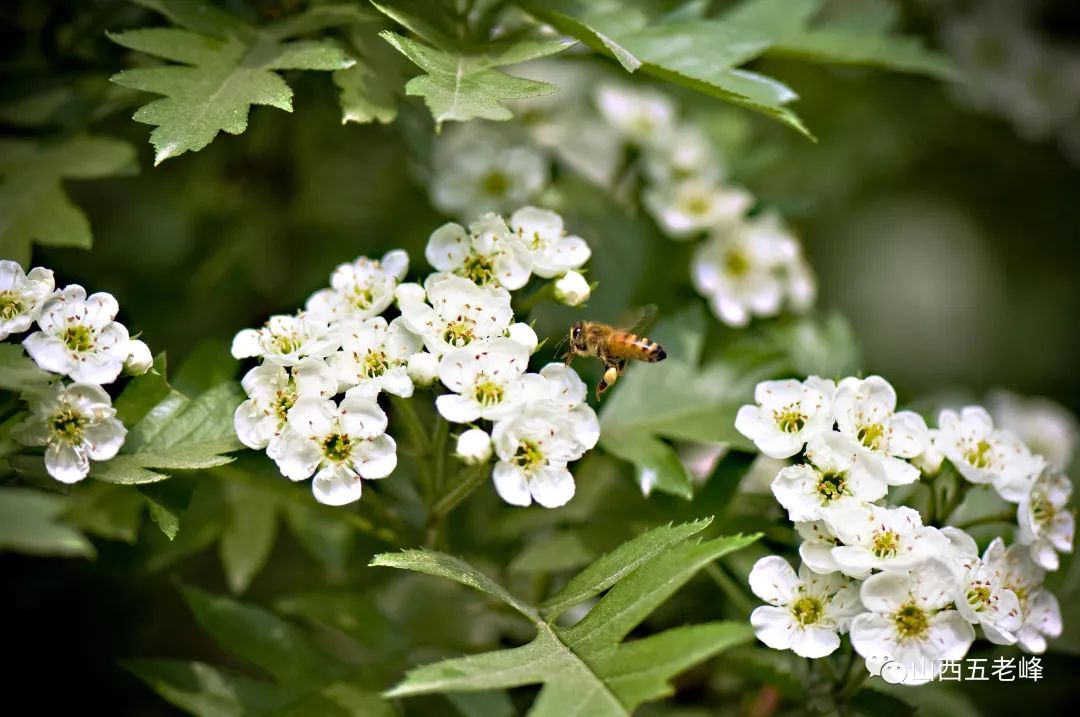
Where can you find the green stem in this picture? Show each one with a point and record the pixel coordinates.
(932, 509)
(730, 587)
(469, 480)
(527, 304)
(1004, 517)
(421, 448)
(962, 488)
(438, 450)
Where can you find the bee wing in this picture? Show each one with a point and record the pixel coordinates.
(640, 319)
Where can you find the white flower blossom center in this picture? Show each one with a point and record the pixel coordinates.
(886, 544)
(488, 393)
(375, 364)
(459, 332)
(529, 455)
(832, 486)
(981, 455)
(871, 435)
(978, 595)
(11, 304)
(736, 262)
(911, 621)
(479, 269)
(66, 426)
(78, 338)
(790, 419)
(337, 447)
(495, 184)
(807, 610)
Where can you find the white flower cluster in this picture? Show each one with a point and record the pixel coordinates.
(456, 327)
(903, 590)
(745, 267)
(78, 339)
(1013, 69)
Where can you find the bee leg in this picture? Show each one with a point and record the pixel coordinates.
(611, 375)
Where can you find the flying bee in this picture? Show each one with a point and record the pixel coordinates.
(614, 347)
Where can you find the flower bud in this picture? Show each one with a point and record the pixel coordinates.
(572, 289)
(473, 446)
(929, 461)
(410, 292)
(423, 368)
(524, 335)
(139, 359)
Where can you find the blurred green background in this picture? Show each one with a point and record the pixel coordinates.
(949, 241)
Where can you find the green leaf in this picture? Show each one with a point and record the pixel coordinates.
(33, 205)
(462, 87)
(18, 371)
(707, 54)
(249, 535)
(223, 71)
(31, 522)
(364, 98)
(701, 54)
(166, 502)
(178, 433)
(586, 669)
(446, 566)
(617, 564)
(786, 22)
(306, 681)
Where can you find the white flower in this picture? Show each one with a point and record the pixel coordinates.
(473, 447)
(787, 415)
(359, 290)
(742, 269)
(816, 548)
(929, 462)
(459, 313)
(553, 252)
(272, 390)
(640, 115)
(1038, 607)
(21, 296)
(865, 409)
(1045, 522)
(984, 454)
(475, 171)
(423, 368)
(876, 538)
(684, 153)
(342, 443)
(487, 381)
(572, 289)
(1046, 427)
(76, 424)
(139, 359)
(695, 205)
(409, 292)
(839, 476)
(79, 338)
(524, 335)
(567, 391)
(374, 357)
(979, 587)
(909, 622)
(533, 446)
(286, 340)
(806, 612)
(801, 285)
(489, 253)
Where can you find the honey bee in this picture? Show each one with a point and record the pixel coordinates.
(614, 347)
